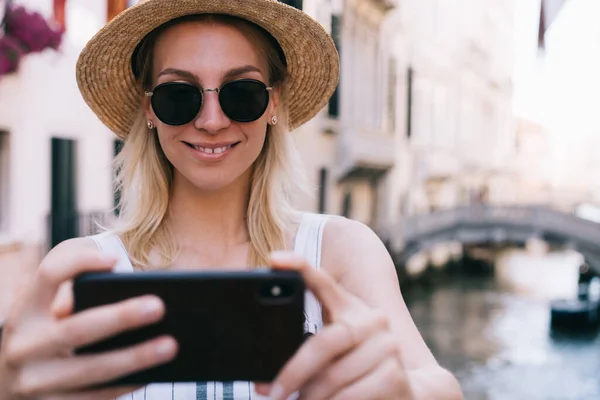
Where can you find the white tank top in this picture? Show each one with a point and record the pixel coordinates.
(307, 243)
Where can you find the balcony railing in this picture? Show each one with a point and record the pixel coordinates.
(67, 225)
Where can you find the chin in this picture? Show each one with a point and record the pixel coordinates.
(212, 179)
(212, 183)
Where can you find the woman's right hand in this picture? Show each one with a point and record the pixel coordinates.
(36, 353)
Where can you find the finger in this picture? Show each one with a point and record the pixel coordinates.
(324, 287)
(316, 354)
(107, 321)
(62, 306)
(103, 394)
(65, 266)
(82, 372)
(388, 381)
(352, 367)
(86, 327)
(262, 388)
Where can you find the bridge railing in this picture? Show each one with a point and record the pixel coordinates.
(536, 218)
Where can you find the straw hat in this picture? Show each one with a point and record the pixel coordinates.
(107, 83)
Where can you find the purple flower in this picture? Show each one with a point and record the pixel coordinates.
(31, 29)
(25, 32)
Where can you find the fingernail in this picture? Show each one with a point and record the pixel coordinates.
(165, 348)
(277, 392)
(151, 307)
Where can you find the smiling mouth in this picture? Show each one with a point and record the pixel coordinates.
(211, 150)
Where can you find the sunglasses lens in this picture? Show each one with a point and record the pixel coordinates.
(244, 100)
(176, 103)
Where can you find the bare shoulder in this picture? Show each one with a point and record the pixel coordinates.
(349, 245)
(70, 248)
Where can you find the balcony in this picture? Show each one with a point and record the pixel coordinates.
(364, 155)
(436, 163)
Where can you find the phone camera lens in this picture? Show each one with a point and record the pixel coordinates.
(276, 291)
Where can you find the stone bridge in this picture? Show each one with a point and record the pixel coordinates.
(484, 224)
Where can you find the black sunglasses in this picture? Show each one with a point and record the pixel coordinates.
(177, 103)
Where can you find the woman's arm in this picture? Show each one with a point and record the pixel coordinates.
(357, 259)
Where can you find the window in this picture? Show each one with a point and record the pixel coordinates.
(334, 102)
(322, 190)
(347, 205)
(115, 7)
(293, 3)
(542, 28)
(64, 218)
(442, 130)
(59, 13)
(4, 180)
(409, 101)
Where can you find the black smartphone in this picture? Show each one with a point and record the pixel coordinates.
(229, 326)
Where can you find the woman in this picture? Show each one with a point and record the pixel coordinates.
(203, 93)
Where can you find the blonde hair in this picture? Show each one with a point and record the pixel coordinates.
(145, 176)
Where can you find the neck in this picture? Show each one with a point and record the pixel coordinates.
(209, 221)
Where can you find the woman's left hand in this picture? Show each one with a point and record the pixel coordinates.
(356, 356)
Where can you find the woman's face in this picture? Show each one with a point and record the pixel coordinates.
(212, 151)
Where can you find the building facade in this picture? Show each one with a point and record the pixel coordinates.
(350, 147)
(424, 118)
(56, 155)
(458, 136)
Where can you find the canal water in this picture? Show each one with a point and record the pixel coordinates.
(492, 331)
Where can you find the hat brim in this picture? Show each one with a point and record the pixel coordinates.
(108, 86)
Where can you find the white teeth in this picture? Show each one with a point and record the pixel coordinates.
(207, 150)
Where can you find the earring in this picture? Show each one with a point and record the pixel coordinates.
(274, 120)
(150, 124)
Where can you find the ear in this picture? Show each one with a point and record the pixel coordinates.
(148, 108)
(275, 100)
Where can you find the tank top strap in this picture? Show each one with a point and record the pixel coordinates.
(110, 243)
(309, 237)
(308, 243)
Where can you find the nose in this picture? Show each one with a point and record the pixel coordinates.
(211, 119)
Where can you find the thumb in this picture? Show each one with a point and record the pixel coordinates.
(262, 388)
(62, 306)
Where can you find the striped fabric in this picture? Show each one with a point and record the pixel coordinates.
(308, 243)
(197, 391)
